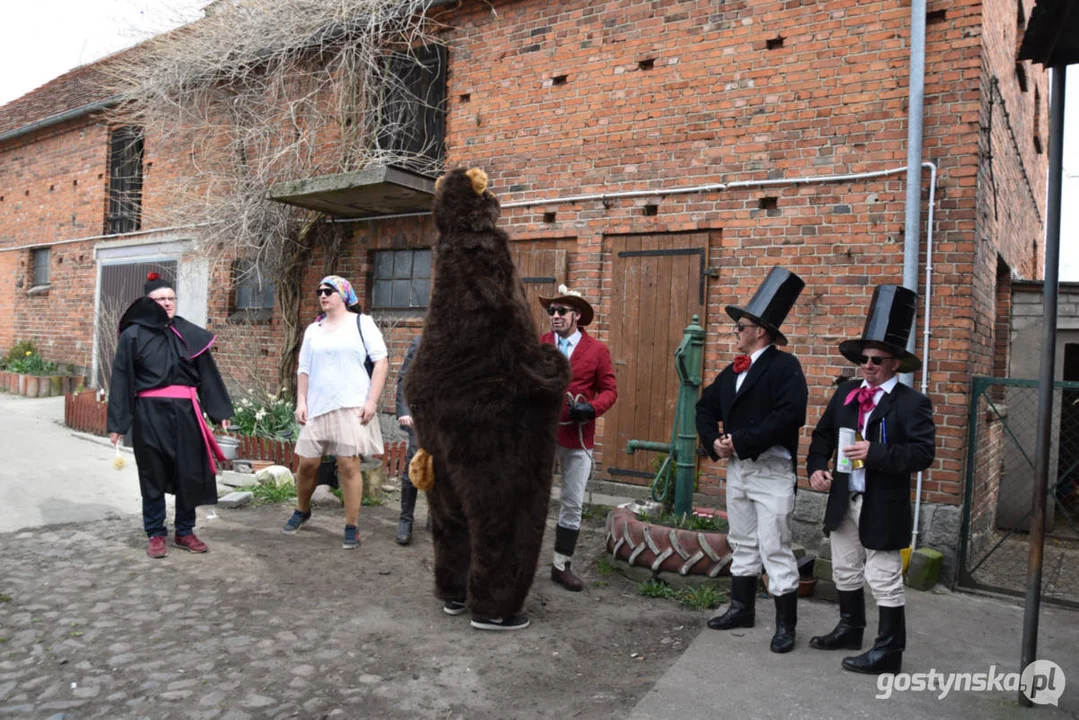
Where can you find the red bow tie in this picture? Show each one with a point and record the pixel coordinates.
(864, 396)
(742, 363)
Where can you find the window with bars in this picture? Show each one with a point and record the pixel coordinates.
(42, 260)
(402, 279)
(413, 106)
(125, 181)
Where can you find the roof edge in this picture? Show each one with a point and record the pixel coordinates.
(52, 120)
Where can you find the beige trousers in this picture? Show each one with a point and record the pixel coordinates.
(760, 502)
(853, 565)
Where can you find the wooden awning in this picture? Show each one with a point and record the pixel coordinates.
(371, 192)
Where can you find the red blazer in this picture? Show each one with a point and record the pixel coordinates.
(593, 378)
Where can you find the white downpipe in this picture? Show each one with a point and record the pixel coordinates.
(925, 330)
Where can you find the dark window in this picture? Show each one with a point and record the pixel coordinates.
(125, 181)
(253, 288)
(413, 107)
(402, 279)
(42, 259)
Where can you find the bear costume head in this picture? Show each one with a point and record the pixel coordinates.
(464, 204)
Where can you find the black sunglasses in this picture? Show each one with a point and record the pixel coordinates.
(863, 359)
(551, 310)
(325, 292)
(741, 327)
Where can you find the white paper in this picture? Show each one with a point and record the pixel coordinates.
(846, 439)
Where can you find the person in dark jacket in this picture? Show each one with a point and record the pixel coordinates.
(760, 399)
(404, 419)
(163, 379)
(868, 513)
(592, 392)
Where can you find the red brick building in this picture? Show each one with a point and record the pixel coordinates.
(660, 157)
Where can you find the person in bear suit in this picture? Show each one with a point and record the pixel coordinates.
(761, 400)
(868, 514)
(485, 396)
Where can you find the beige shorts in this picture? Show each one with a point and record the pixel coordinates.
(340, 433)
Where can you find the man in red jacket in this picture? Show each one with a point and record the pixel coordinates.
(591, 393)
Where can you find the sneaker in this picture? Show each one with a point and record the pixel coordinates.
(453, 607)
(298, 518)
(157, 549)
(189, 543)
(352, 538)
(517, 622)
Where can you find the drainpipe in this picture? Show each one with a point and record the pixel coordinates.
(913, 214)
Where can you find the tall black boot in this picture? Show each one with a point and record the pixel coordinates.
(565, 542)
(786, 621)
(741, 613)
(847, 635)
(408, 506)
(886, 655)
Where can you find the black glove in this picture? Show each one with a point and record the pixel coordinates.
(581, 411)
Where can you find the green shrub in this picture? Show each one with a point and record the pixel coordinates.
(21, 349)
(270, 417)
(32, 364)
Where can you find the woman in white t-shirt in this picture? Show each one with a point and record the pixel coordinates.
(336, 400)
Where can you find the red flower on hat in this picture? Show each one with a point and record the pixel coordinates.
(152, 276)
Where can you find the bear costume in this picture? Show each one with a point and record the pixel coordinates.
(485, 397)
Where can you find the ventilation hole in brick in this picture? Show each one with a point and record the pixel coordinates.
(51, 188)
(646, 64)
(101, 176)
(548, 217)
(769, 203)
(465, 97)
(74, 183)
(1, 198)
(1021, 76)
(27, 193)
(1038, 145)
(776, 42)
(559, 80)
(651, 210)
(936, 16)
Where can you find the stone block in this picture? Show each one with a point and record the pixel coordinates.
(822, 569)
(809, 506)
(924, 570)
(236, 499)
(799, 551)
(323, 497)
(235, 479)
(374, 477)
(825, 590)
(278, 475)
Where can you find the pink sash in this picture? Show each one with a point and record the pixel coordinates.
(180, 392)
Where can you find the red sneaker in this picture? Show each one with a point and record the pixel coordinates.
(190, 543)
(157, 548)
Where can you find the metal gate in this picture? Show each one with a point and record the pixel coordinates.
(1000, 481)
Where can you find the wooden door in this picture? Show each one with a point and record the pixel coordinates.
(657, 286)
(120, 286)
(543, 266)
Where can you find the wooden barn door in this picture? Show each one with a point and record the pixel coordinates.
(657, 286)
(120, 285)
(543, 266)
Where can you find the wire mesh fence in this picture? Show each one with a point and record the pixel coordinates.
(1000, 486)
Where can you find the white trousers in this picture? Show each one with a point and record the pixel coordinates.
(576, 467)
(853, 565)
(760, 503)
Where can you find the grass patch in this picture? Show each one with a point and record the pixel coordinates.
(687, 522)
(595, 512)
(604, 566)
(271, 494)
(600, 583)
(5, 597)
(373, 501)
(704, 597)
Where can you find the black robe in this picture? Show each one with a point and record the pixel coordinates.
(169, 448)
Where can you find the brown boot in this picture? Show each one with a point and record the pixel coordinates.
(567, 579)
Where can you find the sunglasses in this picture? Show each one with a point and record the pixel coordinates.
(325, 292)
(863, 359)
(552, 310)
(740, 327)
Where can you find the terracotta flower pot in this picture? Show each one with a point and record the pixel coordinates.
(56, 385)
(13, 381)
(28, 385)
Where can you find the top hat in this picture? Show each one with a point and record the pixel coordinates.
(575, 300)
(891, 318)
(773, 300)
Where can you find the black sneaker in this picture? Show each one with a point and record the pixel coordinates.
(517, 622)
(453, 607)
(298, 518)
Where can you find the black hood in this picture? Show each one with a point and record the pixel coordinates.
(145, 312)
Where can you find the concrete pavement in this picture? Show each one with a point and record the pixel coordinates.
(49, 475)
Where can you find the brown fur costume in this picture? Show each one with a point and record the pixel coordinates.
(485, 397)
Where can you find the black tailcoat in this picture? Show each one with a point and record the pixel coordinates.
(769, 409)
(902, 439)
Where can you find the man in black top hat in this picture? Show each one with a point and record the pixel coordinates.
(868, 513)
(761, 400)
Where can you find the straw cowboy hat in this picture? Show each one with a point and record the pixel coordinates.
(575, 300)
